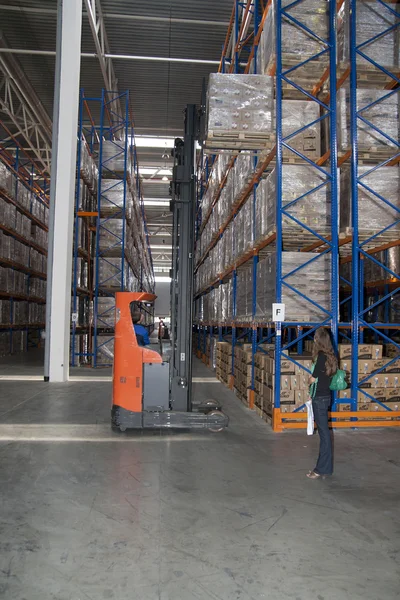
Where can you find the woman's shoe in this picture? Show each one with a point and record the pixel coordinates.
(314, 475)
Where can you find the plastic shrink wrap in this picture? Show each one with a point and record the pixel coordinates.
(382, 114)
(373, 213)
(312, 280)
(239, 103)
(371, 19)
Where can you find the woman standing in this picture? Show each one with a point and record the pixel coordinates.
(326, 366)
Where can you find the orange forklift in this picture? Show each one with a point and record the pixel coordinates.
(147, 392)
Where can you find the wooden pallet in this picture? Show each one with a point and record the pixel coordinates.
(288, 157)
(370, 155)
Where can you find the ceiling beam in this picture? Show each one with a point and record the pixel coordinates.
(119, 16)
(15, 104)
(23, 108)
(96, 22)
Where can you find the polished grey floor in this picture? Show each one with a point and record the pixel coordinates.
(87, 514)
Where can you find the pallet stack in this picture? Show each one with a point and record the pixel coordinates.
(223, 361)
(242, 372)
(23, 261)
(383, 386)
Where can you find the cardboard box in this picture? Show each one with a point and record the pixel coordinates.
(295, 383)
(377, 393)
(394, 367)
(305, 364)
(394, 380)
(391, 350)
(345, 365)
(259, 374)
(366, 406)
(268, 394)
(392, 395)
(299, 382)
(342, 394)
(366, 351)
(300, 397)
(287, 397)
(395, 406)
(344, 351)
(289, 408)
(344, 407)
(369, 366)
(372, 381)
(287, 367)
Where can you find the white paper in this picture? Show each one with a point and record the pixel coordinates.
(310, 417)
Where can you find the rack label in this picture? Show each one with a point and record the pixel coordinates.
(278, 313)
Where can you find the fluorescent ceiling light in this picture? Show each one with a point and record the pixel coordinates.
(161, 279)
(144, 141)
(154, 170)
(162, 247)
(155, 203)
(153, 181)
(165, 178)
(156, 200)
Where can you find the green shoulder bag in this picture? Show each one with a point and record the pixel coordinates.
(338, 381)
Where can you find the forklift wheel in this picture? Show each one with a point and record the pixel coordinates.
(215, 428)
(117, 428)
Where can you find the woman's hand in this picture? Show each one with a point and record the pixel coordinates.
(311, 380)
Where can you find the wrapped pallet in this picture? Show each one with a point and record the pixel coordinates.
(244, 294)
(106, 312)
(112, 197)
(110, 236)
(113, 158)
(313, 209)
(382, 111)
(239, 107)
(296, 42)
(373, 213)
(371, 19)
(312, 280)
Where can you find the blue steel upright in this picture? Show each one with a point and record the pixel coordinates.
(115, 131)
(387, 235)
(327, 168)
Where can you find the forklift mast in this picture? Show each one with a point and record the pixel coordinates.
(183, 206)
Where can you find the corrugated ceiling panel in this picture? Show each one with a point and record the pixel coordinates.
(159, 91)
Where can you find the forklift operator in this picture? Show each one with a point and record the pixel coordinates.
(141, 333)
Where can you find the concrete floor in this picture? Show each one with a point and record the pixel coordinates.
(87, 514)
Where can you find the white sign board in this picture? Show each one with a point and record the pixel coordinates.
(278, 313)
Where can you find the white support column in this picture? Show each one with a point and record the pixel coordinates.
(62, 189)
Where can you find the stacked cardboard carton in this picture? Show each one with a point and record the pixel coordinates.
(378, 375)
(223, 361)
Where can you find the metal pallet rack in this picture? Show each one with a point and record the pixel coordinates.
(24, 190)
(117, 252)
(374, 246)
(322, 90)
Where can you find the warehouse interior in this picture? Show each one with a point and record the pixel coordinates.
(230, 170)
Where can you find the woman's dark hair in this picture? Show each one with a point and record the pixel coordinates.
(322, 343)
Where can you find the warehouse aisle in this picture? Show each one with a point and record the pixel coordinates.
(89, 514)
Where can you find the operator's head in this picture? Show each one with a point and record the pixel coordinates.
(136, 317)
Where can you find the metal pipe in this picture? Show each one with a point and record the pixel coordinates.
(113, 56)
